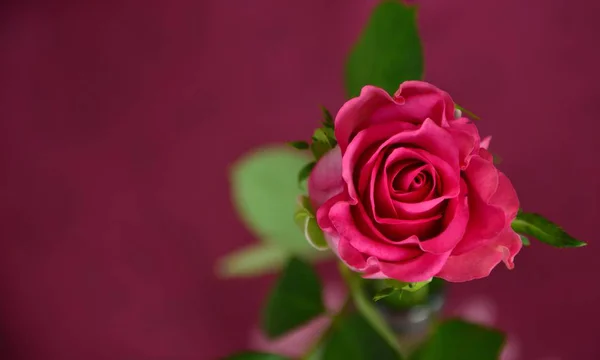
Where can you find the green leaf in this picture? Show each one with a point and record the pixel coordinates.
(253, 260)
(458, 340)
(388, 51)
(544, 230)
(295, 299)
(524, 240)
(304, 173)
(367, 308)
(385, 292)
(300, 145)
(264, 192)
(255, 356)
(327, 118)
(355, 339)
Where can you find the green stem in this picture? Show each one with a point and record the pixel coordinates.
(335, 319)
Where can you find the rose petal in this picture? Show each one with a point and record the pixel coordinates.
(433, 139)
(325, 180)
(479, 262)
(456, 218)
(423, 100)
(466, 137)
(323, 213)
(356, 113)
(486, 155)
(421, 268)
(379, 190)
(505, 197)
(450, 176)
(487, 218)
(402, 180)
(354, 240)
(401, 229)
(485, 143)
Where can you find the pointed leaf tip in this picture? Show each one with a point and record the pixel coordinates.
(544, 230)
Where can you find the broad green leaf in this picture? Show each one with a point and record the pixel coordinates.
(300, 145)
(264, 191)
(354, 338)
(253, 260)
(304, 173)
(458, 340)
(524, 240)
(295, 299)
(367, 308)
(544, 230)
(388, 51)
(255, 356)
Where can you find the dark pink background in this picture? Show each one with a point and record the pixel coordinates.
(119, 120)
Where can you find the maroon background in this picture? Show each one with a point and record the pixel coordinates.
(119, 119)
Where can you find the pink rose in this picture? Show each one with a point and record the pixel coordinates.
(411, 192)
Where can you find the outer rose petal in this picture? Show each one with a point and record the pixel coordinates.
(323, 213)
(478, 263)
(325, 180)
(485, 142)
(467, 139)
(423, 100)
(421, 268)
(486, 219)
(506, 197)
(356, 113)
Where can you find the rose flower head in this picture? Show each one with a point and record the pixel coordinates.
(410, 192)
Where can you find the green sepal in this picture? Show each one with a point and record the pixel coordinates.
(306, 221)
(300, 145)
(385, 292)
(304, 173)
(327, 118)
